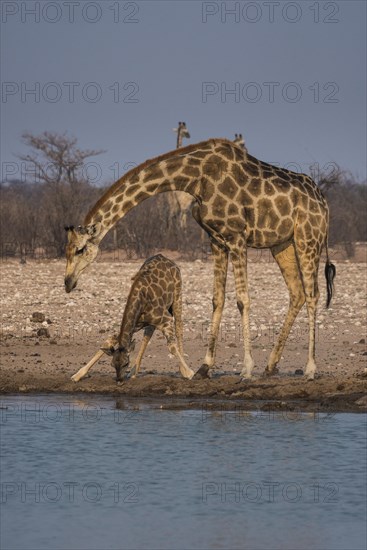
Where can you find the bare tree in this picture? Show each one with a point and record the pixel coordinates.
(347, 201)
(33, 213)
(56, 157)
(59, 167)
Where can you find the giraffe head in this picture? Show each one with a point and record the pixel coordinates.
(238, 140)
(120, 356)
(81, 250)
(184, 131)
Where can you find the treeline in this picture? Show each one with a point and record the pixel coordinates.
(33, 214)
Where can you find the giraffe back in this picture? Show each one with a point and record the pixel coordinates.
(156, 284)
(240, 193)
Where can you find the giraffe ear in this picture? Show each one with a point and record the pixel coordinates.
(108, 348)
(70, 232)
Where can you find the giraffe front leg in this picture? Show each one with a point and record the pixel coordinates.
(106, 347)
(219, 287)
(239, 262)
(148, 333)
(84, 370)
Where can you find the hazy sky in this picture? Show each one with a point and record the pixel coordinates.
(291, 76)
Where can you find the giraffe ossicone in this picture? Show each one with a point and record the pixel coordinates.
(240, 202)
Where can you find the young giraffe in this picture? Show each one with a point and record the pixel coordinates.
(154, 301)
(241, 202)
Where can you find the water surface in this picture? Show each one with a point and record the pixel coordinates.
(80, 473)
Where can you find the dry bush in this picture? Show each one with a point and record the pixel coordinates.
(33, 213)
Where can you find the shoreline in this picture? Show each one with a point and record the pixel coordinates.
(325, 394)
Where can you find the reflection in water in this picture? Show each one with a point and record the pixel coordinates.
(94, 473)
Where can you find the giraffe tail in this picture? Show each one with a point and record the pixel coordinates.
(330, 272)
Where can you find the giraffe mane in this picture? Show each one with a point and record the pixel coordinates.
(115, 186)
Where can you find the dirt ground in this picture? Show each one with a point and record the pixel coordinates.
(47, 335)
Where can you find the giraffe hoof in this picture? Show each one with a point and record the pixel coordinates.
(271, 372)
(202, 373)
(190, 375)
(133, 373)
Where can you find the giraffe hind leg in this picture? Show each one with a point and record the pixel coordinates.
(288, 264)
(168, 331)
(238, 254)
(308, 260)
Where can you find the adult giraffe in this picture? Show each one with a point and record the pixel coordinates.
(240, 202)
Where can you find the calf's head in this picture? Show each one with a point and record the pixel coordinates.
(120, 357)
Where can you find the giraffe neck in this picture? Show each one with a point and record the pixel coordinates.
(178, 170)
(130, 318)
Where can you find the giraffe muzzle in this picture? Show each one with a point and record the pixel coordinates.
(69, 284)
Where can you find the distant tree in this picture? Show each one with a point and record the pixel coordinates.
(65, 192)
(20, 216)
(347, 201)
(33, 213)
